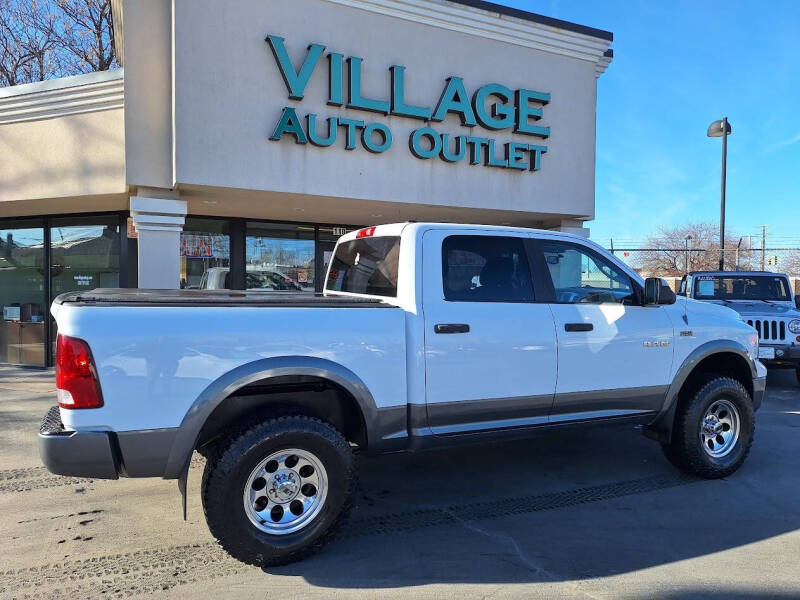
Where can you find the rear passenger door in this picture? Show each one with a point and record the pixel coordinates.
(614, 355)
(490, 349)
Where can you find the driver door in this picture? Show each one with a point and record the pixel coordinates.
(614, 355)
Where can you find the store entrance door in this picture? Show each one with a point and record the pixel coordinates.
(22, 293)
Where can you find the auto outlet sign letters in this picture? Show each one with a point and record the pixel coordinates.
(492, 107)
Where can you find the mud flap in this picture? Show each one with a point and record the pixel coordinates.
(182, 481)
(660, 429)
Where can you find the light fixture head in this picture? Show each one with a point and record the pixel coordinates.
(715, 129)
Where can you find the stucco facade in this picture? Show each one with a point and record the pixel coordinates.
(339, 112)
(62, 144)
(221, 138)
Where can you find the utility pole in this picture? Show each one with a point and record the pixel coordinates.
(612, 245)
(687, 239)
(738, 247)
(763, 246)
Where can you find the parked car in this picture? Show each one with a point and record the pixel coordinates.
(257, 278)
(765, 302)
(427, 335)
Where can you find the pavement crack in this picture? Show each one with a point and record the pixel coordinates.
(503, 537)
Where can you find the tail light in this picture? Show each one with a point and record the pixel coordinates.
(366, 232)
(76, 375)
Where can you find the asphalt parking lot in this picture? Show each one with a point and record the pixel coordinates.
(594, 513)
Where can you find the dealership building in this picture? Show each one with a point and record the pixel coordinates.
(240, 139)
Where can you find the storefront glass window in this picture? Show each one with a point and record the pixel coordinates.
(22, 294)
(279, 257)
(326, 242)
(206, 254)
(84, 255)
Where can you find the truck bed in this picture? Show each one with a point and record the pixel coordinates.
(145, 297)
(157, 351)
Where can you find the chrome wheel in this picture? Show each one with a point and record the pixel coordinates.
(285, 491)
(719, 429)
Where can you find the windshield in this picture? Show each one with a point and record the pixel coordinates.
(366, 266)
(751, 287)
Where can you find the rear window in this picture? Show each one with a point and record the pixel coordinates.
(366, 266)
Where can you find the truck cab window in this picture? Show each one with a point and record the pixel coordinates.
(582, 277)
(482, 268)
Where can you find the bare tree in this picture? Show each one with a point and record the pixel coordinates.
(791, 263)
(88, 34)
(42, 39)
(670, 254)
(12, 58)
(28, 44)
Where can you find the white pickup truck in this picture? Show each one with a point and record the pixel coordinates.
(427, 334)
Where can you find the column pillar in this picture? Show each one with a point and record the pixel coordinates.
(572, 226)
(158, 223)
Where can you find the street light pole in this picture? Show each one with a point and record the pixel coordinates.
(722, 199)
(721, 129)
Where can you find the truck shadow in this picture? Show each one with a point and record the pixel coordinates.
(566, 505)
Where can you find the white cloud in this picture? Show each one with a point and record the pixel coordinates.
(790, 142)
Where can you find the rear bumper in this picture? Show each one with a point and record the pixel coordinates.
(74, 453)
(102, 454)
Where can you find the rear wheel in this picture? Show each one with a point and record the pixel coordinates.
(275, 493)
(713, 429)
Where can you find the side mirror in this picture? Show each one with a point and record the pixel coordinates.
(797, 301)
(657, 292)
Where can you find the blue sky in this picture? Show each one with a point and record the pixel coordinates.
(677, 67)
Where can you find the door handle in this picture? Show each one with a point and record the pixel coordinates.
(578, 327)
(451, 328)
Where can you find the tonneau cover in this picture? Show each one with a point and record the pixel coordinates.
(144, 297)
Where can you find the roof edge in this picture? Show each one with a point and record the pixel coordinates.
(537, 18)
(62, 83)
(91, 92)
(498, 23)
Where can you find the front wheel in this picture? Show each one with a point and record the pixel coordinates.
(275, 493)
(713, 429)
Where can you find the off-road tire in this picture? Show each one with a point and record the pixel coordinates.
(227, 471)
(686, 451)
